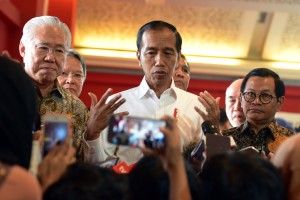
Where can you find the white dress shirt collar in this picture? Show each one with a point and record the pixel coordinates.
(144, 89)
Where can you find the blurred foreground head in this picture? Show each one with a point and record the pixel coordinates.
(287, 161)
(236, 176)
(17, 113)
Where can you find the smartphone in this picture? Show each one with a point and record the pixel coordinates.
(55, 130)
(198, 151)
(136, 131)
(250, 150)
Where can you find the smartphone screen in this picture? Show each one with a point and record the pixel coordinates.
(55, 129)
(136, 131)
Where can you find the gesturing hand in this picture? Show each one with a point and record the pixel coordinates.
(100, 111)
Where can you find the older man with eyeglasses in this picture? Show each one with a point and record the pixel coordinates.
(262, 95)
(44, 46)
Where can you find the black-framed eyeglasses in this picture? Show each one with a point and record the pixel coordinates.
(264, 98)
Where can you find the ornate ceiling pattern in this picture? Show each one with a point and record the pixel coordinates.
(219, 37)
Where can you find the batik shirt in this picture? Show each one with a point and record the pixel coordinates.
(62, 101)
(267, 139)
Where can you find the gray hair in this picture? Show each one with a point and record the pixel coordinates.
(75, 54)
(36, 22)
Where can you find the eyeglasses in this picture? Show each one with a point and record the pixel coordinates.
(77, 75)
(43, 50)
(264, 98)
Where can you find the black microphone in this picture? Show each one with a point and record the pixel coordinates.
(209, 128)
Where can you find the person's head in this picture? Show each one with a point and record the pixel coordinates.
(286, 159)
(158, 51)
(181, 73)
(18, 111)
(262, 93)
(84, 181)
(150, 171)
(236, 176)
(74, 73)
(233, 103)
(44, 46)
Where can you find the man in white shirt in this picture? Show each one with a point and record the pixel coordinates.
(159, 46)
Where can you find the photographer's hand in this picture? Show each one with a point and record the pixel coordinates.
(56, 162)
(173, 160)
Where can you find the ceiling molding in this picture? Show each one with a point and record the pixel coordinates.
(198, 70)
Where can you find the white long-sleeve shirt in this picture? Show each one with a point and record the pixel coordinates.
(142, 101)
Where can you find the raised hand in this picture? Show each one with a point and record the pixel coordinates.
(211, 106)
(100, 112)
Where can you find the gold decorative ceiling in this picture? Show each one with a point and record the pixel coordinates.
(220, 37)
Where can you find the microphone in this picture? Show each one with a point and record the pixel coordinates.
(209, 128)
(198, 151)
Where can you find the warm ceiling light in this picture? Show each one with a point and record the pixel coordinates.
(213, 60)
(107, 53)
(191, 59)
(155, 2)
(131, 54)
(286, 65)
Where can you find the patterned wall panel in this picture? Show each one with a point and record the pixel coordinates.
(209, 28)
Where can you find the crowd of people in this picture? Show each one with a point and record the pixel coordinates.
(50, 82)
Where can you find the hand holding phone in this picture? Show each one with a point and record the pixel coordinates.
(55, 130)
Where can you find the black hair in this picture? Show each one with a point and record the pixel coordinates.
(155, 181)
(149, 180)
(235, 176)
(84, 181)
(18, 111)
(264, 72)
(158, 25)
